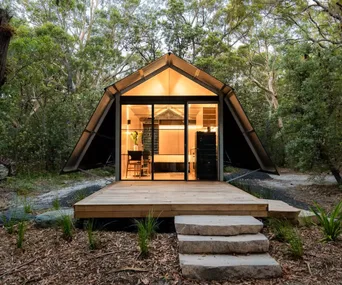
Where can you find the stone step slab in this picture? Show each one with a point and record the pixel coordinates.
(227, 267)
(211, 225)
(241, 244)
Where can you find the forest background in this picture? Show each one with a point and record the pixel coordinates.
(284, 59)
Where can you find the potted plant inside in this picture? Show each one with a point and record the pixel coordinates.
(135, 136)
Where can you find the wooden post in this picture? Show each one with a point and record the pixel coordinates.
(117, 136)
(220, 139)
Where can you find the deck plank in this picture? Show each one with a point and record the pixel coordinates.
(168, 199)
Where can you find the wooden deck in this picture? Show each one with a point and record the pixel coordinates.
(127, 199)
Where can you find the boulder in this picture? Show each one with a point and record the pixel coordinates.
(4, 171)
(16, 215)
(306, 218)
(52, 218)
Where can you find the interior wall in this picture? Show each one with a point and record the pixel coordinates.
(169, 83)
(171, 141)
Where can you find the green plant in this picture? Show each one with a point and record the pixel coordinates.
(55, 203)
(330, 222)
(92, 240)
(27, 206)
(80, 195)
(284, 231)
(151, 225)
(142, 238)
(295, 243)
(8, 224)
(21, 233)
(67, 227)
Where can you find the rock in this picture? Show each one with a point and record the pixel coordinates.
(223, 267)
(241, 244)
(307, 217)
(217, 225)
(4, 171)
(52, 218)
(16, 215)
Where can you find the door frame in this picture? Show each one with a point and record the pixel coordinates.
(161, 100)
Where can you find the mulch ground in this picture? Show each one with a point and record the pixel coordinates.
(46, 258)
(327, 196)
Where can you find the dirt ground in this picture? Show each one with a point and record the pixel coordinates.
(327, 196)
(48, 259)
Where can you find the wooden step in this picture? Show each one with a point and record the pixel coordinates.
(240, 244)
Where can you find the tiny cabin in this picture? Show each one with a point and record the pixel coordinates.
(169, 121)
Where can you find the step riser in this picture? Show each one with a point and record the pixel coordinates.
(221, 247)
(229, 273)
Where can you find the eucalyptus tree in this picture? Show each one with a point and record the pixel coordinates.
(313, 108)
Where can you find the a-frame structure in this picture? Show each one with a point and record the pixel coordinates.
(169, 81)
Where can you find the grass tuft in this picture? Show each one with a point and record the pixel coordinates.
(92, 240)
(8, 224)
(28, 208)
(330, 222)
(67, 227)
(21, 233)
(55, 204)
(284, 231)
(147, 229)
(142, 238)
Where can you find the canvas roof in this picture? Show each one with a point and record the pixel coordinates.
(97, 142)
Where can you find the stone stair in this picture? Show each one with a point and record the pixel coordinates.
(224, 247)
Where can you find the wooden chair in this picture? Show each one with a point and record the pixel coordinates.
(134, 162)
(146, 162)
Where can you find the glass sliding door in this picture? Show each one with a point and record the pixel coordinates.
(202, 141)
(136, 142)
(168, 142)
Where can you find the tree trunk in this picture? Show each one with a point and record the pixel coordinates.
(337, 175)
(6, 33)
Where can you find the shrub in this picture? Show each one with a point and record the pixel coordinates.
(55, 203)
(21, 233)
(330, 222)
(92, 240)
(67, 227)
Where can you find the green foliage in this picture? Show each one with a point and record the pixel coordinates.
(21, 234)
(330, 222)
(67, 227)
(92, 240)
(151, 225)
(284, 231)
(55, 203)
(28, 208)
(296, 244)
(142, 238)
(9, 223)
(146, 231)
(313, 111)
